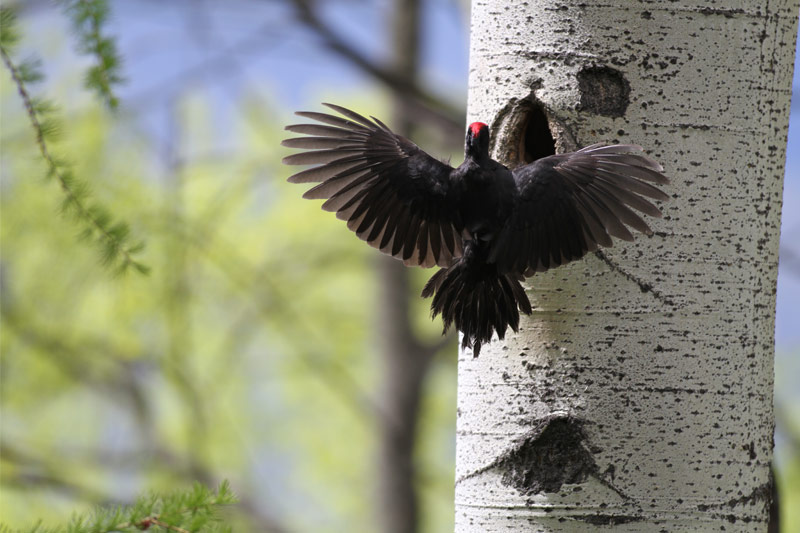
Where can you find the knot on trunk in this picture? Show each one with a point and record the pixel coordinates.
(604, 91)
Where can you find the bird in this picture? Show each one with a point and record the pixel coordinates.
(487, 227)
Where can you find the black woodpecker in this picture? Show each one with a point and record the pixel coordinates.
(488, 227)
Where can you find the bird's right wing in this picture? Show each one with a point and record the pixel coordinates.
(392, 194)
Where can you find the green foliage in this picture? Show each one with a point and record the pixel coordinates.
(788, 480)
(787, 437)
(9, 33)
(88, 18)
(195, 510)
(98, 224)
(245, 355)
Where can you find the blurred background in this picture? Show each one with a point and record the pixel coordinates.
(267, 346)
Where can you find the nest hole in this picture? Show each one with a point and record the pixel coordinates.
(536, 140)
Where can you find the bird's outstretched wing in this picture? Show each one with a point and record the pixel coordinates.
(391, 193)
(570, 204)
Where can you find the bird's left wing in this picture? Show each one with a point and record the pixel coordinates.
(392, 194)
(569, 204)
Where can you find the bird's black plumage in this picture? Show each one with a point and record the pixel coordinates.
(487, 226)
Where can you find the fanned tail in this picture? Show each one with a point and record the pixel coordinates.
(477, 299)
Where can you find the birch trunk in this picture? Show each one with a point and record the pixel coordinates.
(639, 393)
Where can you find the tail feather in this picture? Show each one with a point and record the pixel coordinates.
(478, 300)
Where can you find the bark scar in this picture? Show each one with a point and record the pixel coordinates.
(553, 453)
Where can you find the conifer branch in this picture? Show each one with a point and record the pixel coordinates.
(419, 101)
(114, 237)
(88, 18)
(193, 511)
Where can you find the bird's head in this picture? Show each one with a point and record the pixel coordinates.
(477, 144)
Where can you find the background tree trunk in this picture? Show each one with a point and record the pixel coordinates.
(639, 394)
(404, 361)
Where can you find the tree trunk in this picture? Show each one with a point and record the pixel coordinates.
(639, 393)
(403, 370)
(405, 361)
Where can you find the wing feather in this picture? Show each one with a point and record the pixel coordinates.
(570, 204)
(392, 195)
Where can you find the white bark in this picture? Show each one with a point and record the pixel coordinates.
(639, 394)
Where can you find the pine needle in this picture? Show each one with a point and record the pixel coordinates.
(195, 510)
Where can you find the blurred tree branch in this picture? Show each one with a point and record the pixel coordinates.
(25, 474)
(249, 279)
(109, 373)
(179, 292)
(415, 100)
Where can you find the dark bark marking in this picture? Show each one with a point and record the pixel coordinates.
(607, 520)
(643, 285)
(551, 454)
(727, 13)
(604, 91)
(762, 493)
